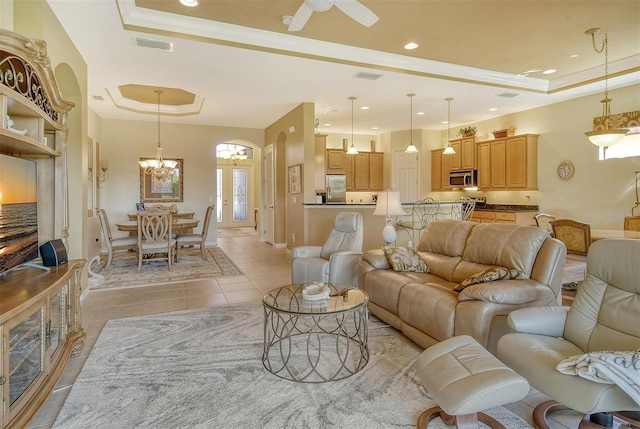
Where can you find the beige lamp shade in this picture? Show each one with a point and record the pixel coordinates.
(388, 205)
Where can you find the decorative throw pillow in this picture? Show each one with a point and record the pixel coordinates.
(405, 259)
(488, 275)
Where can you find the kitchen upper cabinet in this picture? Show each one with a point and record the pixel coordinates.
(363, 171)
(436, 170)
(456, 158)
(510, 163)
(484, 165)
(498, 164)
(440, 168)
(335, 161)
(465, 156)
(468, 154)
(376, 161)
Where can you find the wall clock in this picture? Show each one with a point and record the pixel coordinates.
(566, 170)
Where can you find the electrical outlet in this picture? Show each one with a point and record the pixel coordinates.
(293, 238)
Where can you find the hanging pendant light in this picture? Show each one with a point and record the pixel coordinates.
(449, 150)
(352, 149)
(611, 134)
(158, 167)
(411, 148)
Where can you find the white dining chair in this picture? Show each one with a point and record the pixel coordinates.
(196, 239)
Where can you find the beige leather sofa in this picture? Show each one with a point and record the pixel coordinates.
(425, 307)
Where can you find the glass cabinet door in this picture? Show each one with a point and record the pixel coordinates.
(56, 320)
(25, 354)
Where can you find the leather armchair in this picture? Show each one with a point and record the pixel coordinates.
(603, 317)
(337, 260)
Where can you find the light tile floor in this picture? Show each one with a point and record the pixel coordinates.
(264, 268)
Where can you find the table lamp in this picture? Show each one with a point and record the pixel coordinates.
(389, 205)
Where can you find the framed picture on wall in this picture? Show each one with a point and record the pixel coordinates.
(295, 179)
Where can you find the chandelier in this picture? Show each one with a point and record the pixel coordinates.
(236, 155)
(611, 134)
(158, 167)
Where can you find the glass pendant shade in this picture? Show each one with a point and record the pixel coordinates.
(611, 135)
(411, 148)
(352, 149)
(448, 150)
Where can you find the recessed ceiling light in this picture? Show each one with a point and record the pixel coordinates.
(550, 71)
(444, 122)
(326, 125)
(375, 128)
(364, 108)
(532, 71)
(189, 3)
(493, 109)
(420, 113)
(411, 45)
(574, 56)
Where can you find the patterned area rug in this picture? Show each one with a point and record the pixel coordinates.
(123, 271)
(202, 368)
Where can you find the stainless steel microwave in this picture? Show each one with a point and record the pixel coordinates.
(463, 178)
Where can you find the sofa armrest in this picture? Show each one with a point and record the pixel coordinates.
(507, 292)
(306, 252)
(539, 320)
(343, 268)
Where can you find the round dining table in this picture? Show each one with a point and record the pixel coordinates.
(177, 226)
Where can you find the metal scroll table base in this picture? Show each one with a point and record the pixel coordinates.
(315, 348)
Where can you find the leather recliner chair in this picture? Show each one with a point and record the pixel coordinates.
(604, 317)
(337, 260)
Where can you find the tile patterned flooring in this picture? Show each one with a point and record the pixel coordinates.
(264, 268)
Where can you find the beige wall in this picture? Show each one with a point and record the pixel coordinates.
(292, 135)
(122, 143)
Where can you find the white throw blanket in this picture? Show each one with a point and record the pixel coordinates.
(619, 368)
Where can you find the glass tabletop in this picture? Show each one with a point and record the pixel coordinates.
(289, 299)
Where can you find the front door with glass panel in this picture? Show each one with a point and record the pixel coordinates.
(235, 196)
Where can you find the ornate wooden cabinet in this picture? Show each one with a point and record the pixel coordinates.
(40, 321)
(40, 326)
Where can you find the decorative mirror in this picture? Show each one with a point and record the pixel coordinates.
(159, 188)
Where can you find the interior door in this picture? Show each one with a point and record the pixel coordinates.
(235, 206)
(269, 195)
(405, 175)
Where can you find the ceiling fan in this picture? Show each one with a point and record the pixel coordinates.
(352, 8)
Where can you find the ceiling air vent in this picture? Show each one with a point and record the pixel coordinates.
(507, 95)
(368, 76)
(97, 97)
(154, 44)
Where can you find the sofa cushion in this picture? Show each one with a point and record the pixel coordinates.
(405, 259)
(377, 259)
(446, 237)
(505, 245)
(487, 275)
(429, 307)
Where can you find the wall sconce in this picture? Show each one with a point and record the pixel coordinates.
(102, 175)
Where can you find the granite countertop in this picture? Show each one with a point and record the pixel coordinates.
(508, 208)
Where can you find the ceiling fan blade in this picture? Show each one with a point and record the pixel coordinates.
(301, 17)
(357, 11)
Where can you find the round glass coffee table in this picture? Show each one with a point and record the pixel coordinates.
(317, 340)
